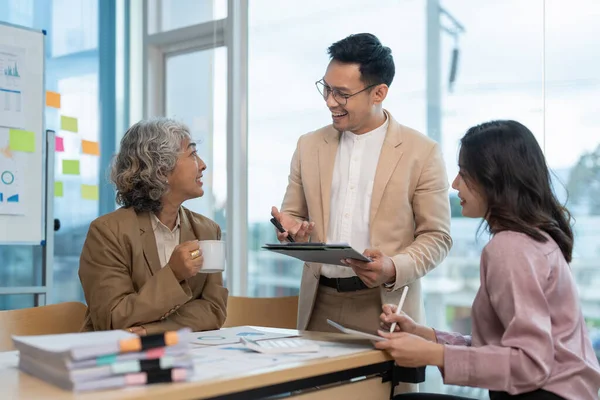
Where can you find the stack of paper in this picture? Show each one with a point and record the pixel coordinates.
(103, 360)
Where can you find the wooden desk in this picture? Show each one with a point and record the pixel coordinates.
(317, 379)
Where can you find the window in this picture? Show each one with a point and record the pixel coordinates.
(79, 97)
(74, 26)
(184, 75)
(175, 14)
(572, 138)
(196, 93)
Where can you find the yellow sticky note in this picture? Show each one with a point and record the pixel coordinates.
(20, 140)
(89, 192)
(69, 124)
(88, 147)
(52, 99)
(58, 189)
(70, 167)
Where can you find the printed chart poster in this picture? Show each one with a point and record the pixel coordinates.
(11, 85)
(11, 177)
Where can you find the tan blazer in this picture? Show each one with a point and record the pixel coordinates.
(125, 286)
(410, 208)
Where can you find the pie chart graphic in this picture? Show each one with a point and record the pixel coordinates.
(7, 177)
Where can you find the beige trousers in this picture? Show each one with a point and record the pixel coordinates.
(360, 309)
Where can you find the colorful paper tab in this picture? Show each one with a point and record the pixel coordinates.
(58, 189)
(126, 367)
(106, 360)
(20, 140)
(59, 144)
(70, 167)
(88, 147)
(69, 124)
(52, 99)
(89, 192)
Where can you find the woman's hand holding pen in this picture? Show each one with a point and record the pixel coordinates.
(299, 230)
(404, 323)
(410, 344)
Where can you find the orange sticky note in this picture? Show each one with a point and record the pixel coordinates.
(88, 147)
(53, 99)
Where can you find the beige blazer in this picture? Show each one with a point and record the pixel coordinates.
(410, 208)
(125, 286)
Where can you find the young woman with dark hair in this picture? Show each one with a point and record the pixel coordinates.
(529, 339)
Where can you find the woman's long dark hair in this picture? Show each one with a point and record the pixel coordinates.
(505, 162)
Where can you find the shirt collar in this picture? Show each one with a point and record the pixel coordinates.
(381, 129)
(156, 224)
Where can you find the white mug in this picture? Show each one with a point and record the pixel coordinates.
(213, 252)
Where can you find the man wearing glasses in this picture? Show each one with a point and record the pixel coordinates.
(368, 181)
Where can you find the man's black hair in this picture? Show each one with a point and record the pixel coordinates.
(375, 60)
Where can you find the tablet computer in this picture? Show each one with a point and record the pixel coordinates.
(317, 252)
(357, 332)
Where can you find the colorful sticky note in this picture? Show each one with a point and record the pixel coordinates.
(69, 124)
(59, 144)
(89, 192)
(88, 147)
(53, 99)
(70, 167)
(58, 189)
(5, 151)
(20, 140)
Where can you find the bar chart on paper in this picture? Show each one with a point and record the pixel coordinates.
(11, 94)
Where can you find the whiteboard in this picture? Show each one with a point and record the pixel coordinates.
(22, 138)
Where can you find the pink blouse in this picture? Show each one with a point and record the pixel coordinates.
(528, 330)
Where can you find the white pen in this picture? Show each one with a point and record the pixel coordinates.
(400, 303)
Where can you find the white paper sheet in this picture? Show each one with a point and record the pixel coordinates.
(61, 343)
(222, 361)
(232, 335)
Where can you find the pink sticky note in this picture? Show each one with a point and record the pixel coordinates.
(59, 144)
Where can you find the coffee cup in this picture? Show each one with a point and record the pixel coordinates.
(213, 252)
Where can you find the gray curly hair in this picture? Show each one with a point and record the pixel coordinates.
(148, 153)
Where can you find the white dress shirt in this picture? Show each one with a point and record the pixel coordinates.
(351, 188)
(166, 239)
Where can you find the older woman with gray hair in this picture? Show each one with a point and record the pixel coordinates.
(139, 265)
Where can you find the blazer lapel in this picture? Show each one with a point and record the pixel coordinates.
(327, 155)
(186, 232)
(149, 242)
(189, 231)
(388, 159)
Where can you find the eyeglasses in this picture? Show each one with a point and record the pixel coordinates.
(341, 98)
